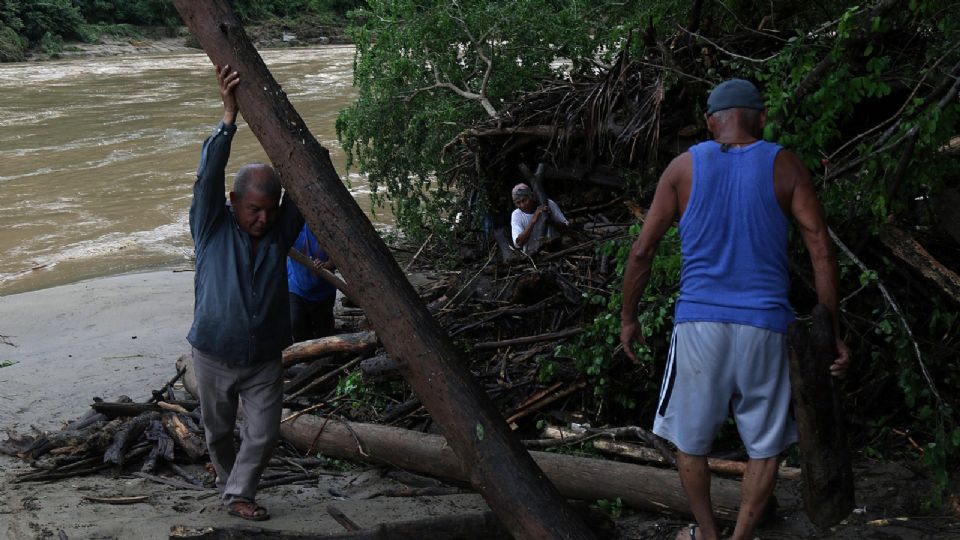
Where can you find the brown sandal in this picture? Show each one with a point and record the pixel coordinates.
(248, 510)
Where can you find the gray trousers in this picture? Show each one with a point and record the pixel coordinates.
(259, 391)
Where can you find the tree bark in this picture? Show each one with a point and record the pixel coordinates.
(589, 479)
(824, 454)
(499, 467)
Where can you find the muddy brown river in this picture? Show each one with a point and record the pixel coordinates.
(98, 156)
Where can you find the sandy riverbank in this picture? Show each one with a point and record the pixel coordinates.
(121, 335)
(105, 337)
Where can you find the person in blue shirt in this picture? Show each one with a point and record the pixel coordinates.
(241, 320)
(311, 297)
(735, 197)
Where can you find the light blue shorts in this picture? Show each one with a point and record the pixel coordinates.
(716, 367)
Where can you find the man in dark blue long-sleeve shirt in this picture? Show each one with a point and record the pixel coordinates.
(241, 318)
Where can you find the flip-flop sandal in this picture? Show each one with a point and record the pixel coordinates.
(248, 510)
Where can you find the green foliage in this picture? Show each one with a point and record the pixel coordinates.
(421, 69)
(11, 45)
(593, 352)
(51, 44)
(46, 24)
(613, 508)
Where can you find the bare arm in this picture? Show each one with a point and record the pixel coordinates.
(662, 213)
(807, 211)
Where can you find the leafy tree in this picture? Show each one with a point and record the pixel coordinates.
(427, 70)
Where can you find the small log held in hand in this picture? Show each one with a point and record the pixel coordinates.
(187, 440)
(638, 486)
(322, 273)
(824, 452)
(358, 343)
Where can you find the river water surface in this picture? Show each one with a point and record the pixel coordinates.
(98, 156)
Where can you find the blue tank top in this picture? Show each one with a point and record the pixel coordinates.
(733, 239)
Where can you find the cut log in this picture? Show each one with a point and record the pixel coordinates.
(322, 273)
(358, 343)
(479, 526)
(646, 488)
(191, 443)
(499, 466)
(824, 452)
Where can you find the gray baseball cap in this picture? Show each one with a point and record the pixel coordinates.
(734, 93)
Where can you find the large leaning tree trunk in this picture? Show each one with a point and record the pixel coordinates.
(499, 467)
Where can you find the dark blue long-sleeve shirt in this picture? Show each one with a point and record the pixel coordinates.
(241, 313)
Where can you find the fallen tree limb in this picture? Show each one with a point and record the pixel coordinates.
(907, 249)
(589, 479)
(358, 343)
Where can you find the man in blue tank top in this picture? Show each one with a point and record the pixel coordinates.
(734, 196)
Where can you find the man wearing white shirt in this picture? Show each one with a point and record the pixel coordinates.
(528, 214)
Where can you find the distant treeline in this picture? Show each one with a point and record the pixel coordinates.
(44, 25)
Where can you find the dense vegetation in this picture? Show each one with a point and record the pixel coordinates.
(866, 93)
(44, 25)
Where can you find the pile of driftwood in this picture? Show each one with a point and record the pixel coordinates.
(156, 440)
